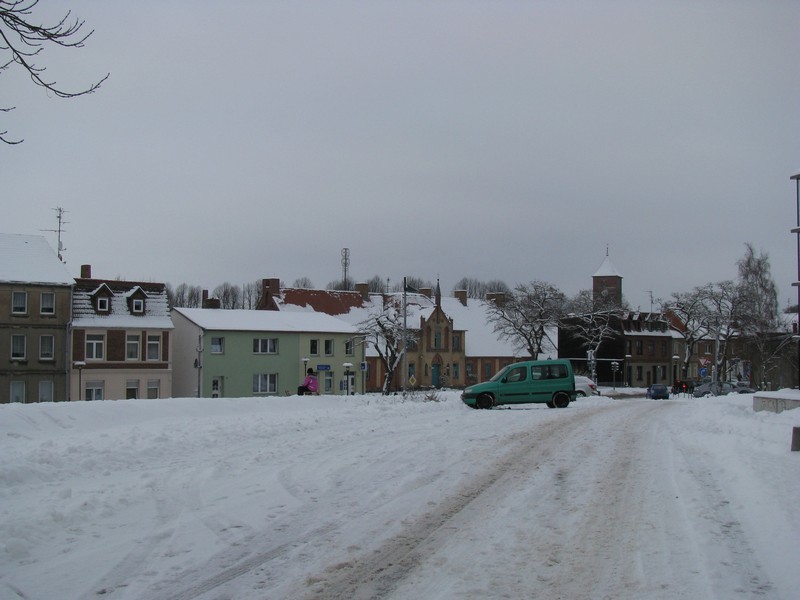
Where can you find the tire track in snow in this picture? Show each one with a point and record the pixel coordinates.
(377, 574)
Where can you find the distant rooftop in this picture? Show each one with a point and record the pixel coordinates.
(30, 259)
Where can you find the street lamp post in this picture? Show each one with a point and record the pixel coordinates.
(79, 364)
(347, 366)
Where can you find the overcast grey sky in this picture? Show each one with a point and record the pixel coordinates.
(495, 140)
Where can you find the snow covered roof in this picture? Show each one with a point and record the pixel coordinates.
(480, 338)
(265, 320)
(30, 259)
(156, 305)
(607, 269)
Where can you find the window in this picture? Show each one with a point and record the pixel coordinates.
(638, 373)
(469, 369)
(131, 389)
(17, 391)
(265, 345)
(153, 389)
(456, 342)
(137, 305)
(19, 303)
(348, 347)
(18, 347)
(47, 347)
(548, 372)
(328, 347)
(313, 347)
(132, 342)
(217, 345)
(153, 347)
(651, 348)
(94, 390)
(94, 346)
(265, 383)
(48, 303)
(487, 370)
(102, 304)
(437, 340)
(639, 347)
(520, 374)
(456, 373)
(412, 369)
(46, 391)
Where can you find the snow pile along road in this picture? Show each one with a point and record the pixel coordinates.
(364, 497)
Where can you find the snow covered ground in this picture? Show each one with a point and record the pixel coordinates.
(369, 497)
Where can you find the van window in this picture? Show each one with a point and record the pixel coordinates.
(557, 371)
(517, 374)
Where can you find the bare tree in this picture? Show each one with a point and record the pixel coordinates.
(525, 316)
(384, 330)
(377, 285)
(22, 41)
(251, 295)
(478, 289)
(412, 284)
(687, 313)
(229, 295)
(194, 297)
(303, 283)
(719, 312)
(591, 319)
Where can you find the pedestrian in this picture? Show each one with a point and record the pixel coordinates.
(309, 384)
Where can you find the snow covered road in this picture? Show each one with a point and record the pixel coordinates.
(369, 497)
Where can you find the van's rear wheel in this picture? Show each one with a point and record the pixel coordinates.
(561, 400)
(484, 401)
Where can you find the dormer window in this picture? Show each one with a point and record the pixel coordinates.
(102, 305)
(136, 299)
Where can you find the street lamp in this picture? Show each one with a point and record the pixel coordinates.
(79, 364)
(614, 369)
(347, 366)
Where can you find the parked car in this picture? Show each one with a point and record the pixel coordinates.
(721, 388)
(658, 391)
(550, 382)
(584, 386)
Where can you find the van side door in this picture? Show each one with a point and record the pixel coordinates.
(514, 387)
(547, 379)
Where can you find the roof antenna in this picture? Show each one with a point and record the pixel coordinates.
(61, 222)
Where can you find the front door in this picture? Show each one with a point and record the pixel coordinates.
(436, 370)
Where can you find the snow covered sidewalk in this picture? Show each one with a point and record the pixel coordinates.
(362, 497)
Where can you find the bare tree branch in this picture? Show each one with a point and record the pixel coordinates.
(23, 41)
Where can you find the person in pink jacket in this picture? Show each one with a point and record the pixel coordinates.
(309, 384)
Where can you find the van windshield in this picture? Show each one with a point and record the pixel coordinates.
(500, 373)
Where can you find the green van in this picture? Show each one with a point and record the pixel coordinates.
(542, 381)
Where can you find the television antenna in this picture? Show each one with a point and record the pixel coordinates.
(60, 212)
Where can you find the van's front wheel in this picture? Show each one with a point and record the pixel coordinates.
(484, 401)
(561, 400)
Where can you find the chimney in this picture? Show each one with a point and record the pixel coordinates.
(269, 288)
(205, 297)
(499, 298)
(427, 292)
(363, 289)
(86, 271)
(461, 296)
